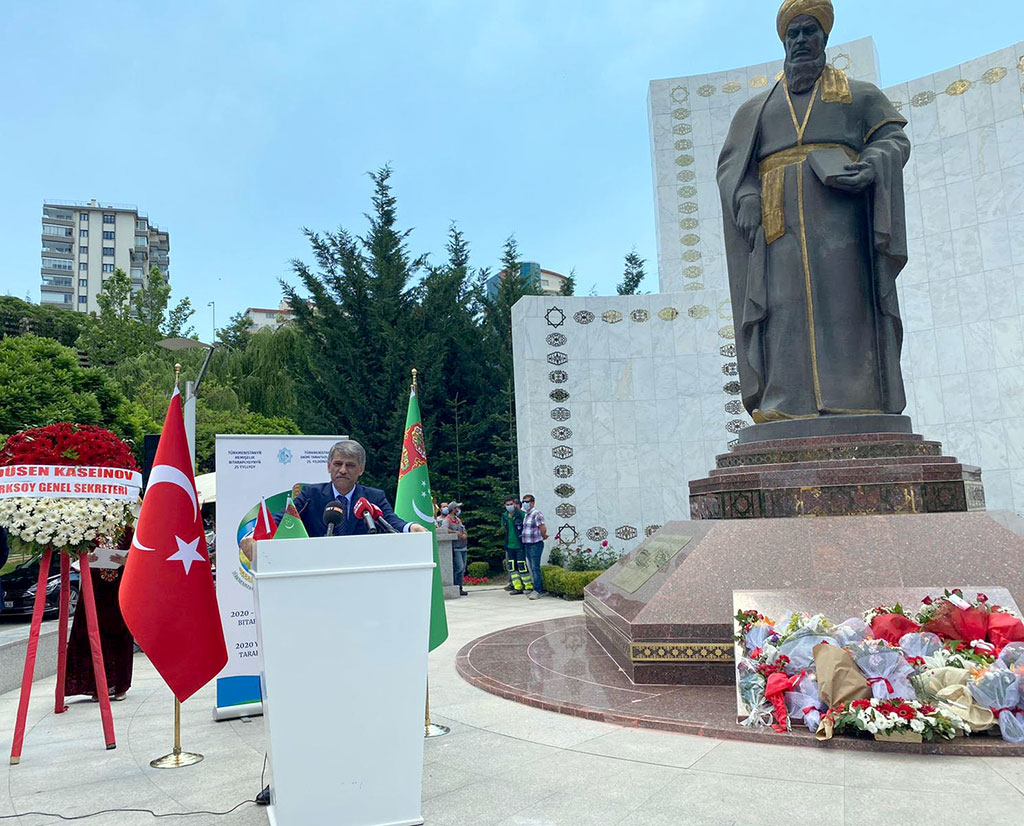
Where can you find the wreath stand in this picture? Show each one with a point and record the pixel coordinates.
(92, 623)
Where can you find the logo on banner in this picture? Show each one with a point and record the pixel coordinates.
(275, 504)
(284, 456)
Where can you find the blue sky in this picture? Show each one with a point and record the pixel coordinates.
(234, 124)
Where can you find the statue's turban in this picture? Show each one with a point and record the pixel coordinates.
(820, 10)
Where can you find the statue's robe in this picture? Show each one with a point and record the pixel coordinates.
(818, 327)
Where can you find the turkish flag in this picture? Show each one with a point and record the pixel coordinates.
(167, 594)
(265, 525)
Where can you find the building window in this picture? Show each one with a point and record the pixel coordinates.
(108, 218)
(83, 250)
(108, 235)
(108, 250)
(108, 268)
(56, 229)
(51, 246)
(57, 263)
(136, 273)
(141, 241)
(83, 299)
(83, 233)
(83, 217)
(83, 266)
(140, 226)
(83, 283)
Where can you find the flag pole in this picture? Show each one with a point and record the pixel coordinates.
(177, 758)
(432, 729)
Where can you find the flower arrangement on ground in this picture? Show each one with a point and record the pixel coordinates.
(68, 524)
(953, 666)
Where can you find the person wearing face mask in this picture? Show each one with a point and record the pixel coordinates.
(519, 578)
(451, 520)
(535, 531)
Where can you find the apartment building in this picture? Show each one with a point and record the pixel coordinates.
(84, 242)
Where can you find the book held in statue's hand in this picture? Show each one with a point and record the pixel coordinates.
(830, 164)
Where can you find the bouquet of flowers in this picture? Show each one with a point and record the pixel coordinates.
(919, 645)
(71, 525)
(887, 672)
(997, 688)
(894, 716)
(804, 702)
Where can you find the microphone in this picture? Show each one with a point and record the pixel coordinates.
(378, 515)
(364, 510)
(334, 515)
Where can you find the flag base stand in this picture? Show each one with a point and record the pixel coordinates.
(177, 759)
(432, 729)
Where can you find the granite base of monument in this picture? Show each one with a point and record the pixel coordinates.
(664, 612)
(836, 474)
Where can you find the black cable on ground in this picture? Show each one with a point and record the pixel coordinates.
(131, 811)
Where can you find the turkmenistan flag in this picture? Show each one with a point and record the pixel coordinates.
(291, 526)
(413, 503)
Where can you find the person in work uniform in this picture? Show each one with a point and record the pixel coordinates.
(520, 581)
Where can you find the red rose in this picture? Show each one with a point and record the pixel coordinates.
(927, 600)
(858, 704)
(604, 544)
(982, 598)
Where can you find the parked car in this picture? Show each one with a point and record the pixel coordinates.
(20, 588)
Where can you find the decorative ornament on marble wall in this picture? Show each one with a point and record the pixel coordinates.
(693, 288)
(668, 313)
(564, 491)
(557, 358)
(689, 223)
(611, 316)
(958, 87)
(897, 105)
(565, 511)
(993, 75)
(706, 91)
(732, 388)
(684, 160)
(687, 192)
(679, 94)
(728, 351)
(731, 87)
(651, 530)
(682, 129)
(758, 82)
(558, 395)
(842, 61)
(558, 376)
(555, 317)
(734, 407)
(682, 113)
(567, 535)
(735, 425)
(686, 175)
(639, 316)
(688, 207)
(561, 414)
(693, 271)
(726, 332)
(692, 255)
(561, 433)
(730, 368)
(626, 532)
(922, 98)
(562, 471)
(597, 534)
(698, 311)
(556, 340)
(684, 144)
(725, 309)
(583, 316)
(690, 240)
(561, 451)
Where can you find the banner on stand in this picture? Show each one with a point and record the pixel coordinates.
(251, 468)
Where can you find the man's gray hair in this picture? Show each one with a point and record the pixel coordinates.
(350, 448)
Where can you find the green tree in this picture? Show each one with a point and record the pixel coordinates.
(632, 275)
(569, 285)
(237, 332)
(19, 317)
(42, 382)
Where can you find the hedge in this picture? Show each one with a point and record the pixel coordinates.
(478, 569)
(566, 584)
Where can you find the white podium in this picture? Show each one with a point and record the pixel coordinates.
(343, 628)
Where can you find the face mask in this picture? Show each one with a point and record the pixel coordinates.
(510, 508)
(444, 511)
(458, 511)
(527, 506)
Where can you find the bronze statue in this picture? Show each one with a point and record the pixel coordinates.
(811, 179)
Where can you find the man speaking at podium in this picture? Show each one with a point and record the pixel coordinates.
(346, 462)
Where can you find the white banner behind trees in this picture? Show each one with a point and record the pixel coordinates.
(248, 468)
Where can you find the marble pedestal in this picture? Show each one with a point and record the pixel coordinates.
(676, 627)
(834, 475)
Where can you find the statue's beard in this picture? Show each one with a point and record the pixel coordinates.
(801, 74)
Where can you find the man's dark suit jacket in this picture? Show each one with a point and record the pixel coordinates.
(314, 498)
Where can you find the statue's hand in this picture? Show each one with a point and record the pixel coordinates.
(862, 176)
(749, 217)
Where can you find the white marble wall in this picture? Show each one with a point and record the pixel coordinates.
(650, 379)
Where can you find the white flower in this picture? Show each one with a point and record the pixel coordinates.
(872, 728)
(917, 725)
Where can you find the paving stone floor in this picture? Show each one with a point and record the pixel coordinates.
(504, 764)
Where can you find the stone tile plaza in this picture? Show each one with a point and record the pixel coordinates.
(765, 523)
